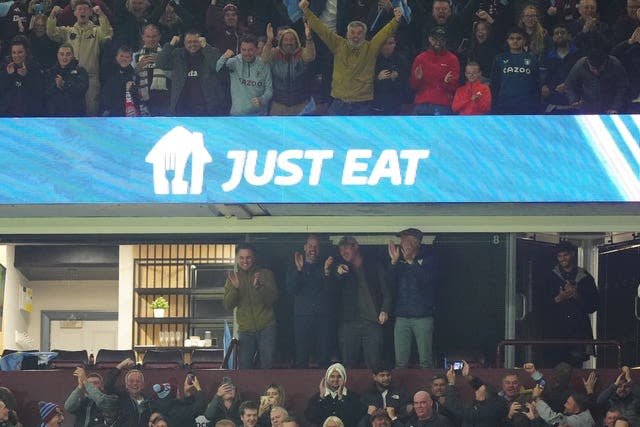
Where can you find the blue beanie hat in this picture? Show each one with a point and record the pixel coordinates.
(47, 411)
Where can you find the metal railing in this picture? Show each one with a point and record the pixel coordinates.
(232, 346)
(516, 342)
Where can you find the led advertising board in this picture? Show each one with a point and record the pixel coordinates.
(320, 160)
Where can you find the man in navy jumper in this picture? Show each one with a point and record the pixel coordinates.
(413, 276)
(515, 79)
(313, 299)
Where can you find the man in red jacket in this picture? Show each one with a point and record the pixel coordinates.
(474, 97)
(434, 76)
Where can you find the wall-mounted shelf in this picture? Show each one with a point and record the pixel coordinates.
(191, 278)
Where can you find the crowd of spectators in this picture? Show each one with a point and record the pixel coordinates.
(456, 397)
(277, 57)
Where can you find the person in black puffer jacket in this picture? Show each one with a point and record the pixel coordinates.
(65, 85)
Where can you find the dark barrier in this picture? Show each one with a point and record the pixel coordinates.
(546, 343)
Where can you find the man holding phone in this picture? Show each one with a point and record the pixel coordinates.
(153, 83)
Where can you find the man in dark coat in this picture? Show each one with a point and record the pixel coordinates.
(65, 85)
(569, 297)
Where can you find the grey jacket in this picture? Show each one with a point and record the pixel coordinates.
(608, 91)
(583, 419)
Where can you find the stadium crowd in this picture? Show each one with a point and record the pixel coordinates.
(120, 398)
(352, 296)
(72, 58)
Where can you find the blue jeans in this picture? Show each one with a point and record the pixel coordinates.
(341, 108)
(422, 329)
(357, 335)
(431, 110)
(263, 341)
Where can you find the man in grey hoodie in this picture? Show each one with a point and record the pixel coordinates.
(251, 86)
(575, 414)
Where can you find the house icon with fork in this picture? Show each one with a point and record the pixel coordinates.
(170, 156)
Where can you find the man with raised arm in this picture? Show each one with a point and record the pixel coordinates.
(83, 405)
(195, 86)
(86, 40)
(289, 63)
(354, 61)
(131, 402)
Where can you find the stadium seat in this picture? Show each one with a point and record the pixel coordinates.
(163, 359)
(110, 358)
(69, 359)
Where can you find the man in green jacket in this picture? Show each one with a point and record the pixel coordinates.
(253, 292)
(353, 63)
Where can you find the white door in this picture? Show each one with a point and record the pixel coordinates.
(90, 335)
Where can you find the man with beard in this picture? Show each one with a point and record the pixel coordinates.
(312, 298)
(623, 396)
(568, 299)
(289, 70)
(558, 63)
(576, 412)
(383, 396)
(195, 86)
(442, 15)
(434, 76)
(354, 61)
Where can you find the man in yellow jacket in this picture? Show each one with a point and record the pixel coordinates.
(354, 61)
(253, 292)
(85, 37)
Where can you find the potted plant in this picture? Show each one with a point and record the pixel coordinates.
(159, 305)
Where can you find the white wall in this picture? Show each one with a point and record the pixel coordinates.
(97, 295)
(125, 298)
(78, 295)
(13, 319)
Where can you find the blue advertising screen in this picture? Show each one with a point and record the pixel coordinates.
(320, 160)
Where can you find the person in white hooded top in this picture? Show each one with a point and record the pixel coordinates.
(334, 399)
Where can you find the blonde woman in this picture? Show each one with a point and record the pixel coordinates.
(333, 421)
(538, 42)
(273, 396)
(333, 398)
